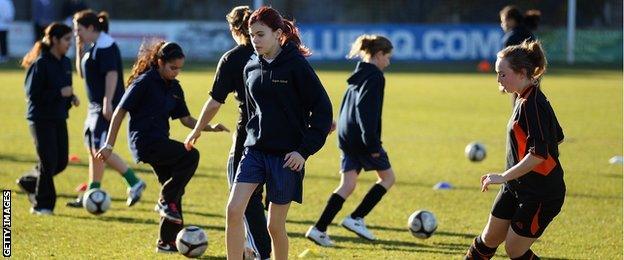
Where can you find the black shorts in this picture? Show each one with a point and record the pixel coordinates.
(529, 217)
(358, 161)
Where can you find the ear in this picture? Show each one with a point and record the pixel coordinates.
(525, 74)
(161, 63)
(279, 33)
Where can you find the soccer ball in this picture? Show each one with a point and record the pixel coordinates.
(96, 201)
(422, 224)
(192, 241)
(475, 152)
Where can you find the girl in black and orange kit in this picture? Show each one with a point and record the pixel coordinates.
(533, 188)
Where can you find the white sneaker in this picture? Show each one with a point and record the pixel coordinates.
(358, 227)
(41, 212)
(318, 237)
(134, 193)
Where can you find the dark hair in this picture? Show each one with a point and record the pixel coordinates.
(513, 13)
(88, 18)
(532, 18)
(54, 30)
(238, 19)
(528, 55)
(151, 52)
(272, 18)
(370, 44)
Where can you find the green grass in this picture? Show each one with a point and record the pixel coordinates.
(428, 119)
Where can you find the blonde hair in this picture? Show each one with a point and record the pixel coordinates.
(529, 55)
(368, 45)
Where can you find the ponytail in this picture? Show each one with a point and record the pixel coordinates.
(367, 45)
(103, 21)
(537, 57)
(529, 55)
(292, 34)
(149, 54)
(238, 19)
(54, 30)
(532, 18)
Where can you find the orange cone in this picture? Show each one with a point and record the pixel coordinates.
(484, 66)
(74, 158)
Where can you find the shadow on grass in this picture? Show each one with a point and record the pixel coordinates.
(131, 220)
(141, 168)
(398, 182)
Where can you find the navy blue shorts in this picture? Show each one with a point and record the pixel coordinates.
(357, 162)
(283, 185)
(96, 129)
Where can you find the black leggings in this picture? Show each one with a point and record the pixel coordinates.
(174, 166)
(50, 138)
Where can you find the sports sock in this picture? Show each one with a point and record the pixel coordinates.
(94, 185)
(130, 178)
(479, 251)
(334, 204)
(371, 199)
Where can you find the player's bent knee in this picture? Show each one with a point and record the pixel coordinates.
(276, 228)
(235, 213)
(491, 239)
(513, 251)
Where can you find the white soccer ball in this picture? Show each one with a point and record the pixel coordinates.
(475, 152)
(192, 242)
(96, 201)
(422, 224)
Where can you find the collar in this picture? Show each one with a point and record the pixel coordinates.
(154, 75)
(103, 41)
(527, 91)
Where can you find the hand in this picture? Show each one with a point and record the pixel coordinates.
(333, 127)
(107, 111)
(103, 153)
(75, 101)
(491, 178)
(294, 161)
(219, 128)
(375, 155)
(67, 91)
(190, 140)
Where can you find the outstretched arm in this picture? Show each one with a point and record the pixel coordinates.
(210, 109)
(113, 130)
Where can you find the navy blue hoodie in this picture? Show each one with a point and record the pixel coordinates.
(516, 36)
(44, 80)
(288, 106)
(359, 125)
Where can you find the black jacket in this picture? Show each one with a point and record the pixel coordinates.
(359, 126)
(288, 106)
(516, 36)
(44, 80)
